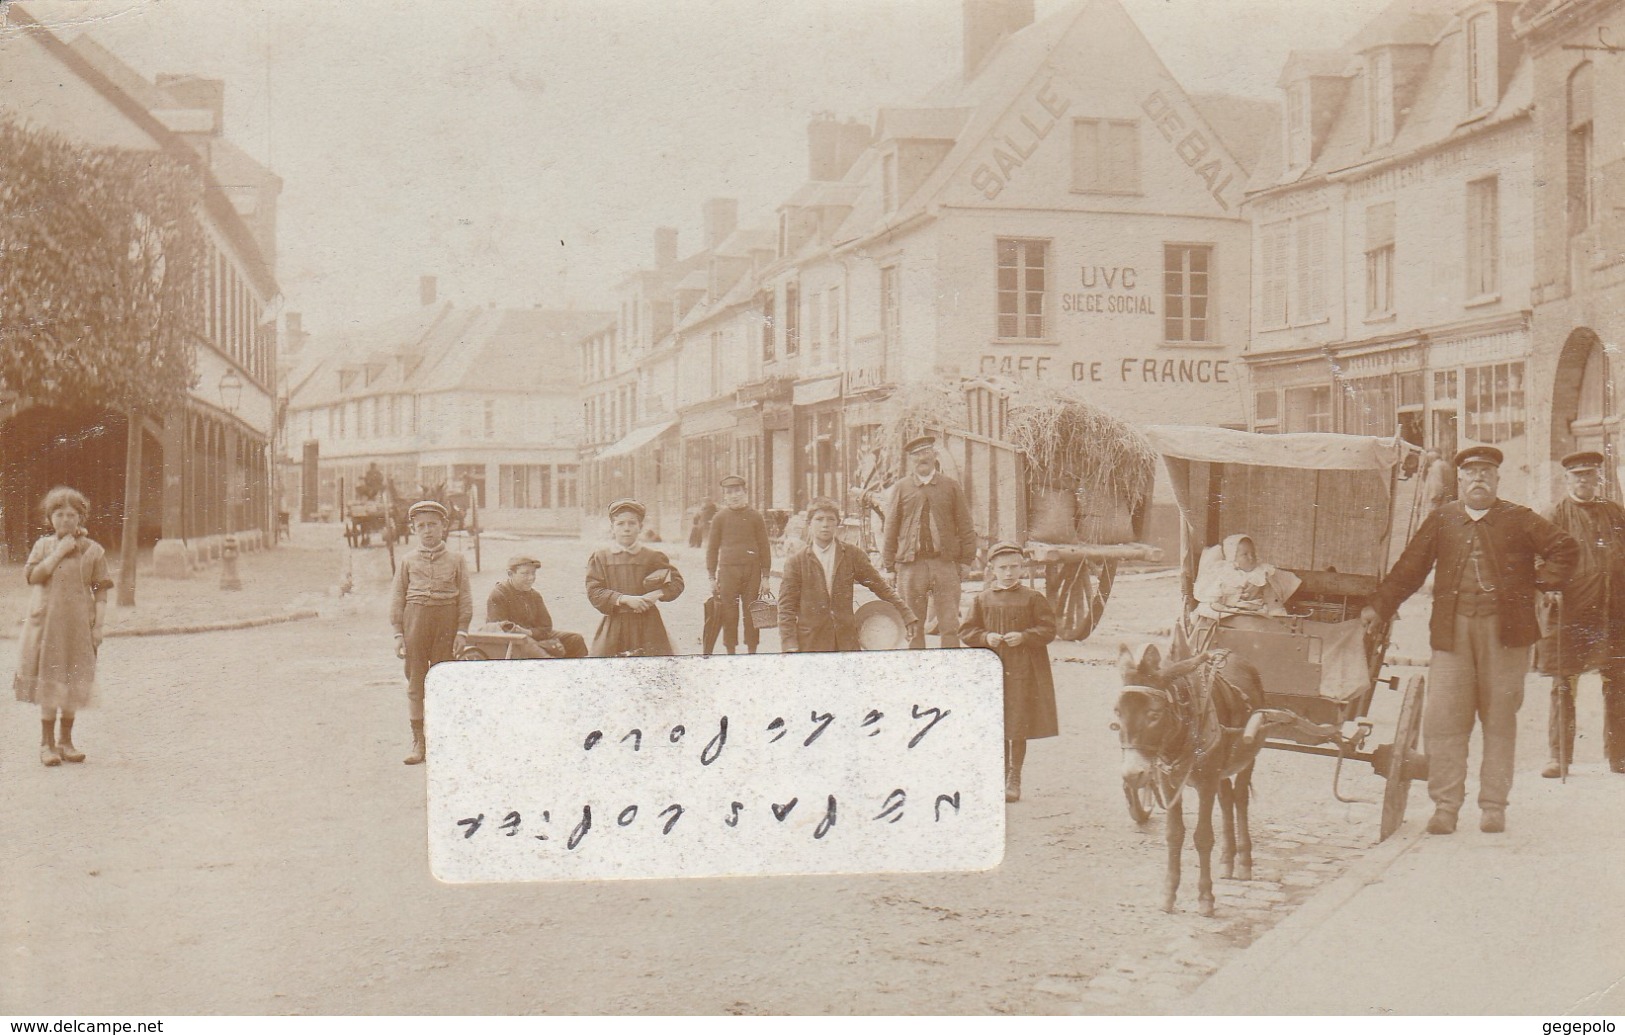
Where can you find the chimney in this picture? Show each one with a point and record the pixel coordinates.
(197, 92)
(986, 23)
(426, 290)
(665, 246)
(721, 219)
(824, 148)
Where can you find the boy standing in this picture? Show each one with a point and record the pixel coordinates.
(431, 604)
(515, 604)
(737, 557)
(1018, 624)
(815, 598)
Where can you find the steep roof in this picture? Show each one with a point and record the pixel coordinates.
(442, 349)
(1245, 124)
(1435, 117)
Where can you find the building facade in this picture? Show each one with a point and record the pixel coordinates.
(1391, 220)
(1062, 211)
(205, 468)
(1579, 228)
(483, 402)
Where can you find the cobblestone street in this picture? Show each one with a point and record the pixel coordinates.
(245, 839)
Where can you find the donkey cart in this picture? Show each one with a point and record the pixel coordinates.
(1329, 512)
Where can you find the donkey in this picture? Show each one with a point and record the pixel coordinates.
(1200, 722)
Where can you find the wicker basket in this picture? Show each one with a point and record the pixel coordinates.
(764, 612)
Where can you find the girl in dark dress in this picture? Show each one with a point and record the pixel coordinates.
(627, 581)
(1019, 624)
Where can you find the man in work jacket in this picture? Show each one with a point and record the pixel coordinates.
(929, 541)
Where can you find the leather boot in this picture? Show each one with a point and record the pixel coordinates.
(419, 745)
(47, 743)
(64, 742)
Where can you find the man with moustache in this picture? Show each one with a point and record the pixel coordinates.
(1482, 550)
(930, 541)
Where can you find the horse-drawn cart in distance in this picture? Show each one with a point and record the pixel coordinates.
(1333, 512)
(1040, 466)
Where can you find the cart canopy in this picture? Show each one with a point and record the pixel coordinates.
(1311, 502)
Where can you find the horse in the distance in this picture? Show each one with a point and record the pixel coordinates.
(1197, 722)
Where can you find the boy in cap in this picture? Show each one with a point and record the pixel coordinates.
(515, 605)
(1018, 624)
(1590, 632)
(1482, 550)
(930, 540)
(815, 597)
(625, 582)
(738, 557)
(431, 604)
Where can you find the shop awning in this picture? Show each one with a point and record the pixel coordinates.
(636, 439)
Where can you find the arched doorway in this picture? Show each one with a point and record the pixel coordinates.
(1585, 406)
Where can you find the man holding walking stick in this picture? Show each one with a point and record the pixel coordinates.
(1590, 630)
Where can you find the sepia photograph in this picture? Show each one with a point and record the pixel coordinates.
(839, 507)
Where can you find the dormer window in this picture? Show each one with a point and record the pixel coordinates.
(1379, 89)
(1482, 71)
(346, 379)
(1297, 125)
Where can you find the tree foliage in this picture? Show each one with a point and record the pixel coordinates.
(102, 265)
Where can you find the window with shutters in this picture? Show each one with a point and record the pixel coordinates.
(1309, 260)
(1483, 238)
(1579, 150)
(1186, 292)
(1298, 125)
(815, 327)
(1106, 156)
(792, 318)
(1292, 272)
(1482, 90)
(890, 314)
(1274, 260)
(714, 384)
(832, 301)
(766, 308)
(1379, 260)
(1021, 284)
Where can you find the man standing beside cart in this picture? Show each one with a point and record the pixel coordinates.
(1482, 626)
(930, 541)
(1590, 631)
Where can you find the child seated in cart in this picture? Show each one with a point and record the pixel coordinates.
(515, 607)
(1232, 580)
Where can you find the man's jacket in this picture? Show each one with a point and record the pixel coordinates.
(952, 532)
(810, 619)
(1516, 537)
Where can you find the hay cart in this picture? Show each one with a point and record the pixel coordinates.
(366, 518)
(1041, 467)
(1334, 512)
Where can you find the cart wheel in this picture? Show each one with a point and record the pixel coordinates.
(473, 654)
(1140, 803)
(1406, 731)
(1084, 597)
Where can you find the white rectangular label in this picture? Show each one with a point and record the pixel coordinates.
(624, 768)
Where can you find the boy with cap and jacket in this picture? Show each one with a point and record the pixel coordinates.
(815, 596)
(430, 606)
(515, 605)
(738, 557)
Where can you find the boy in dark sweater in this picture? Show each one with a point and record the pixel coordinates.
(738, 557)
(517, 607)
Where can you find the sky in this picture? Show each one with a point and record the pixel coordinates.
(523, 151)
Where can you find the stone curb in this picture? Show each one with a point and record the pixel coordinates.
(206, 627)
(1243, 975)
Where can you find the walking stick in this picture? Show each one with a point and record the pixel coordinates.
(1565, 700)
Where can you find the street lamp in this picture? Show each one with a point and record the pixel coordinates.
(231, 390)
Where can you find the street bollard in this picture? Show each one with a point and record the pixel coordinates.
(228, 564)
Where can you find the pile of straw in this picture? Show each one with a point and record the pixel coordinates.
(1072, 444)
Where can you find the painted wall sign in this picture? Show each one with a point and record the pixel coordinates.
(1191, 145)
(1128, 370)
(1017, 138)
(1093, 300)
